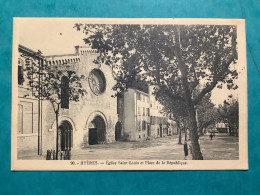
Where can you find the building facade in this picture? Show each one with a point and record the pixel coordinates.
(92, 120)
(142, 115)
(29, 117)
(136, 115)
(161, 126)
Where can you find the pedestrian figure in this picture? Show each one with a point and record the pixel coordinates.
(185, 150)
(211, 136)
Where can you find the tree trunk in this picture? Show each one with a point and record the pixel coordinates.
(179, 131)
(39, 128)
(201, 130)
(230, 130)
(179, 137)
(196, 153)
(57, 134)
(185, 131)
(204, 131)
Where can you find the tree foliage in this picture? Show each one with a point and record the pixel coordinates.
(45, 81)
(229, 114)
(207, 51)
(184, 62)
(207, 113)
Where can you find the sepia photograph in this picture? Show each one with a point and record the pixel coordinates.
(129, 94)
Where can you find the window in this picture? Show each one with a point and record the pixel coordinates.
(25, 118)
(20, 119)
(20, 72)
(119, 104)
(139, 112)
(143, 111)
(144, 125)
(138, 96)
(148, 130)
(65, 92)
(148, 111)
(139, 125)
(97, 81)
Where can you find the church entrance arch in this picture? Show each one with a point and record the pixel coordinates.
(66, 134)
(118, 130)
(97, 131)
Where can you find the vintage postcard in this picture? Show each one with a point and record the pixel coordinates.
(129, 94)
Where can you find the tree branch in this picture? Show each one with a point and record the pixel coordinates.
(221, 75)
(166, 94)
(217, 77)
(181, 64)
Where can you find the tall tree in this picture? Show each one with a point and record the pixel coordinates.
(175, 109)
(229, 113)
(177, 58)
(52, 83)
(207, 113)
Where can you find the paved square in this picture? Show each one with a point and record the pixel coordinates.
(222, 147)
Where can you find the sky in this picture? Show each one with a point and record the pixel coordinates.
(53, 37)
(49, 36)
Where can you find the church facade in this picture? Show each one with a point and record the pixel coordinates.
(92, 120)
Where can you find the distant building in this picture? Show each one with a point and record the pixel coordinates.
(172, 127)
(161, 125)
(136, 115)
(222, 128)
(142, 115)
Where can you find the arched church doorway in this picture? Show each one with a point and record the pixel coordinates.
(65, 135)
(118, 129)
(97, 131)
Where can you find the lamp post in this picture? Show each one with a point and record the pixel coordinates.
(40, 63)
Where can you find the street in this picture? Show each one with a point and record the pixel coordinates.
(222, 147)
